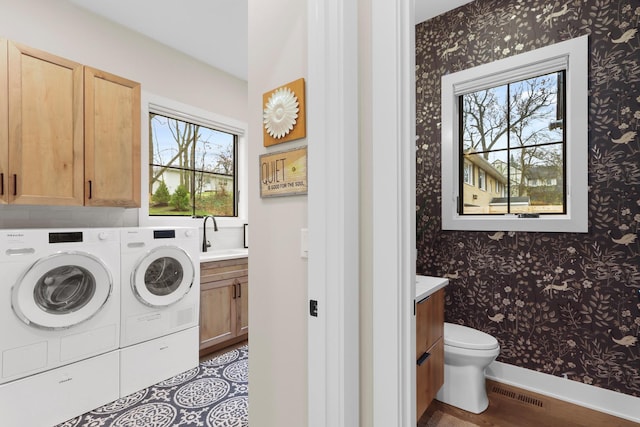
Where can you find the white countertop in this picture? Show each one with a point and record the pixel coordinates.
(426, 285)
(222, 254)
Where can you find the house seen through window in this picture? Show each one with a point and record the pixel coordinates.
(512, 143)
(192, 169)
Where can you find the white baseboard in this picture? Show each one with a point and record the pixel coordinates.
(600, 399)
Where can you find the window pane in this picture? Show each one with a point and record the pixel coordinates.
(214, 194)
(535, 112)
(192, 170)
(484, 118)
(491, 170)
(541, 180)
(214, 151)
(169, 191)
(172, 142)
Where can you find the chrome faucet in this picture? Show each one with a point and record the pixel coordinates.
(205, 243)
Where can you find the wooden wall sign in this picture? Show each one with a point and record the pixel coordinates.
(283, 173)
(283, 114)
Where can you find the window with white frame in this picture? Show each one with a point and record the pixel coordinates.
(524, 118)
(196, 165)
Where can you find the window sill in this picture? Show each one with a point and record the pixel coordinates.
(550, 224)
(169, 221)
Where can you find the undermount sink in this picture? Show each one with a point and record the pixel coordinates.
(222, 254)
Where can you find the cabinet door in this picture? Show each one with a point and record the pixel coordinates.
(429, 321)
(4, 123)
(429, 376)
(45, 128)
(429, 349)
(112, 140)
(216, 324)
(242, 305)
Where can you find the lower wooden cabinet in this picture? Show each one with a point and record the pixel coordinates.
(224, 303)
(429, 349)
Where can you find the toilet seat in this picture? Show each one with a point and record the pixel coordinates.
(468, 338)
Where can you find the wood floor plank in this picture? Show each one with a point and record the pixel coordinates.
(514, 407)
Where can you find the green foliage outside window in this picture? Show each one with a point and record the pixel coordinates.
(180, 199)
(161, 197)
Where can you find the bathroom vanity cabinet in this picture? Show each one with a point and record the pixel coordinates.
(429, 348)
(224, 303)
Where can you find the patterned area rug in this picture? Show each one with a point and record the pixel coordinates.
(214, 394)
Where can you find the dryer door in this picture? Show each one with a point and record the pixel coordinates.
(61, 290)
(163, 276)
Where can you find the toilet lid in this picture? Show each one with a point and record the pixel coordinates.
(465, 337)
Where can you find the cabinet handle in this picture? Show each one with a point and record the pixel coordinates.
(15, 184)
(239, 290)
(1, 184)
(415, 303)
(423, 358)
(90, 188)
(234, 291)
(424, 299)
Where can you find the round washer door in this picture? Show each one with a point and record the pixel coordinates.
(61, 290)
(163, 276)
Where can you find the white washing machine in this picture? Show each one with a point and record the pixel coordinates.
(60, 314)
(160, 308)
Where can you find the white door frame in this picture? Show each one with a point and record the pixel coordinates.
(332, 123)
(394, 237)
(333, 116)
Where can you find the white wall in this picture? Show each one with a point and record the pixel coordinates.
(66, 30)
(278, 276)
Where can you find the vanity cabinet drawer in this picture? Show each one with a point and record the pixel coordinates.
(429, 321)
(429, 375)
(429, 349)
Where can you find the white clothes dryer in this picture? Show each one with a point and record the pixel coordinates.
(59, 298)
(160, 282)
(160, 304)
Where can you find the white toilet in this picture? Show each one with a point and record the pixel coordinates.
(467, 352)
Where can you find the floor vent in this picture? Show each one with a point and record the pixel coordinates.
(504, 392)
(517, 396)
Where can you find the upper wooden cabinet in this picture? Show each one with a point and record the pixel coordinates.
(70, 135)
(4, 123)
(45, 128)
(111, 140)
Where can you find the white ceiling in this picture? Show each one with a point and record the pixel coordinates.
(212, 31)
(427, 9)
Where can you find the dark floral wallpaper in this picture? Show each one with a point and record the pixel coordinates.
(560, 303)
